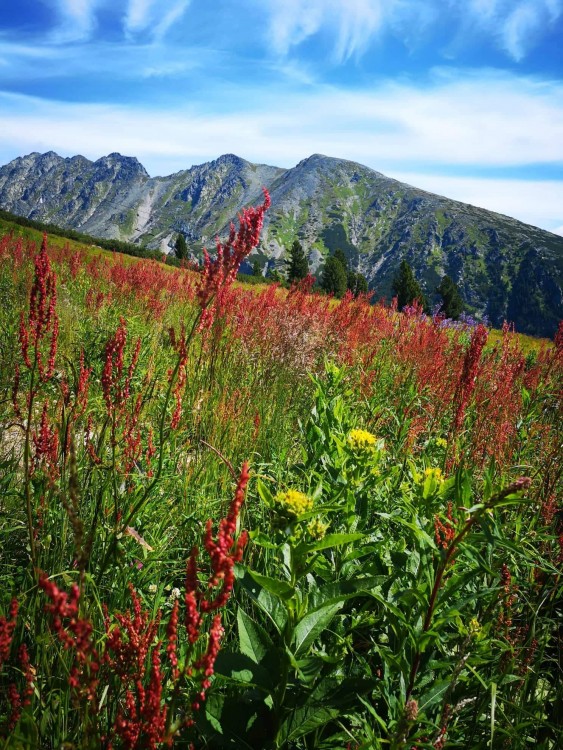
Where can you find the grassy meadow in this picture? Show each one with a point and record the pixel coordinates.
(248, 517)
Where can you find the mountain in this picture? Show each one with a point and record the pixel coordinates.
(504, 268)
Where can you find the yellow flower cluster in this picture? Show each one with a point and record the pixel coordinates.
(474, 627)
(441, 443)
(435, 474)
(316, 528)
(361, 440)
(295, 502)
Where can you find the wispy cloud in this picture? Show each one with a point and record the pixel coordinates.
(77, 19)
(516, 25)
(464, 119)
(173, 14)
(458, 120)
(354, 23)
(138, 15)
(149, 14)
(461, 121)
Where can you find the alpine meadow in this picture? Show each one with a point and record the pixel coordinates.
(281, 375)
(256, 517)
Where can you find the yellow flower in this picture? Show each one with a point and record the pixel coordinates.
(435, 474)
(474, 627)
(441, 443)
(361, 440)
(295, 502)
(316, 528)
(431, 481)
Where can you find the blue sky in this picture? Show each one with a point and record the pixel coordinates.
(461, 97)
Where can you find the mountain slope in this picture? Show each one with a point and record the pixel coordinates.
(502, 266)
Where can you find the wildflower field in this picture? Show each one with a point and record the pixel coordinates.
(237, 517)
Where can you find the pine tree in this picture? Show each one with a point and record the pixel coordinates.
(452, 304)
(341, 256)
(357, 283)
(334, 280)
(532, 288)
(296, 263)
(180, 247)
(406, 287)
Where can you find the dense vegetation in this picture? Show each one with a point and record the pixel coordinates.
(113, 245)
(257, 518)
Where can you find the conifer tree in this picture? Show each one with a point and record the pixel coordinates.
(180, 247)
(452, 304)
(406, 287)
(296, 263)
(357, 283)
(341, 256)
(334, 280)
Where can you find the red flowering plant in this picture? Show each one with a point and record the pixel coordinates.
(38, 339)
(156, 676)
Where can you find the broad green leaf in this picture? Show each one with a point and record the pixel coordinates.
(240, 668)
(343, 590)
(265, 494)
(254, 641)
(334, 540)
(278, 588)
(313, 625)
(306, 719)
(329, 699)
(271, 605)
(262, 540)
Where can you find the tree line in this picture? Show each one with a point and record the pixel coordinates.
(337, 278)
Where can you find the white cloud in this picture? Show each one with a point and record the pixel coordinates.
(519, 28)
(488, 120)
(354, 22)
(77, 19)
(143, 14)
(138, 15)
(475, 122)
(516, 25)
(174, 13)
(165, 70)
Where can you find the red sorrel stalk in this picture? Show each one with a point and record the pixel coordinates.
(216, 278)
(40, 335)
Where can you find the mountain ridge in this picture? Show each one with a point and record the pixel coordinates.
(325, 202)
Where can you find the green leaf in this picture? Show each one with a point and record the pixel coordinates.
(334, 540)
(262, 540)
(240, 668)
(254, 641)
(213, 710)
(312, 625)
(265, 494)
(343, 590)
(306, 719)
(328, 701)
(271, 605)
(282, 589)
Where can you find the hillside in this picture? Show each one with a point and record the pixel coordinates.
(505, 269)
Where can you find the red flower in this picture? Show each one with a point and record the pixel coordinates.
(218, 274)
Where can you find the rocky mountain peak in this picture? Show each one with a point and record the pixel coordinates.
(327, 203)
